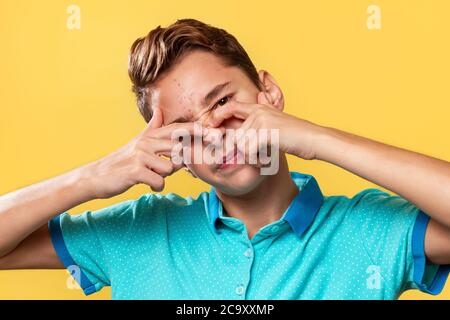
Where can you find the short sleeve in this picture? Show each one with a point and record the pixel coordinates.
(393, 232)
(425, 276)
(89, 243)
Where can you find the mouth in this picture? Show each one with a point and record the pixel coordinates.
(229, 160)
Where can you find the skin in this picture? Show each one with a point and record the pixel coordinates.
(256, 200)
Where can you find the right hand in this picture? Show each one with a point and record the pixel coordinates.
(139, 161)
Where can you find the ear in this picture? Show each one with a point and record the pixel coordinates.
(272, 92)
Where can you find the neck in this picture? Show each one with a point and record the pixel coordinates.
(265, 204)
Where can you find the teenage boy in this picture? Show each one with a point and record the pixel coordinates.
(253, 236)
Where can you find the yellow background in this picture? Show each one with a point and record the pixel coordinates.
(66, 99)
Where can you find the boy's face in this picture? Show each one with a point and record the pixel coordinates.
(184, 95)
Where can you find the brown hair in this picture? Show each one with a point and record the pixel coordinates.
(154, 54)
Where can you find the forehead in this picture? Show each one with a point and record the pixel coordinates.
(180, 92)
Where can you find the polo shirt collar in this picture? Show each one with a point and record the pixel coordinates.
(300, 213)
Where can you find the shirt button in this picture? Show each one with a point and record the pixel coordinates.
(240, 290)
(248, 252)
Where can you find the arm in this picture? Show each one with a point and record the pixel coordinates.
(420, 179)
(423, 180)
(25, 240)
(25, 211)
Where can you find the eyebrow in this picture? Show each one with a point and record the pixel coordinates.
(214, 93)
(207, 99)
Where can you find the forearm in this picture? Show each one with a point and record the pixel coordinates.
(422, 180)
(25, 210)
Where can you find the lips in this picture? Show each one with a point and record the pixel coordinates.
(230, 156)
(229, 160)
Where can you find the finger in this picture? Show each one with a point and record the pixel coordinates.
(157, 164)
(157, 119)
(175, 165)
(152, 179)
(174, 131)
(165, 154)
(240, 110)
(177, 162)
(250, 145)
(175, 155)
(249, 123)
(160, 146)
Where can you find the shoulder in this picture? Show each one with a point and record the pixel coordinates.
(370, 201)
(153, 207)
(385, 208)
(148, 209)
(370, 211)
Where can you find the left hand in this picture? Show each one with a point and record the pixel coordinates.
(296, 136)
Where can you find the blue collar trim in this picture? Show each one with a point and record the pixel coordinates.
(300, 213)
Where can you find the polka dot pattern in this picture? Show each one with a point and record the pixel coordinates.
(164, 247)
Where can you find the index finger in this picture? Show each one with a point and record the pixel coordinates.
(176, 130)
(240, 110)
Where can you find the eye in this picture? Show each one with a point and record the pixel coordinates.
(222, 102)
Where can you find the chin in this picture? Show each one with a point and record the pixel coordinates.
(233, 181)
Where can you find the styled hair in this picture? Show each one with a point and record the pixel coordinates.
(154, 54)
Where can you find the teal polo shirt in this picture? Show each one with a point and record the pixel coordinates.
(369, 246)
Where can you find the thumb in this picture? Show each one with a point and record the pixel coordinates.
(157, 119)
(263, 98)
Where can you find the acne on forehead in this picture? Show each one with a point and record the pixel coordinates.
(178, 87)
(180, 105)
(159, 98)
(186, 103)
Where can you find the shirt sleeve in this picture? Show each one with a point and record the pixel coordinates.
(88, 243)
(393, 232)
